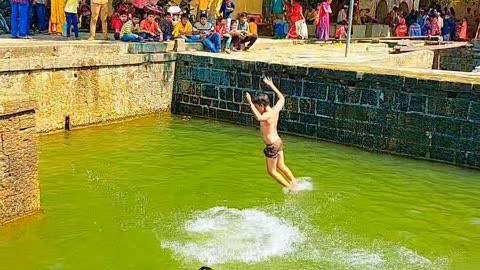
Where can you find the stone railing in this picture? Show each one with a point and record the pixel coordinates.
(422, 118)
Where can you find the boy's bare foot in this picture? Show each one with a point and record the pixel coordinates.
(228, 51)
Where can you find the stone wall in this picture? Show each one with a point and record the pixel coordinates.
(402, 115)
(89, 84)
(19, 189)
(460, 59)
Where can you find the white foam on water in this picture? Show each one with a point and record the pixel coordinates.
(304, 184)
(220, 235)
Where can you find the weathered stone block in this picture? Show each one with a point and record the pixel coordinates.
(474, 114)
(210, 91)
(157, 47)
(226, 94)
(220, 77)
(307, 105)
(401, 101)
(244, 80)
(473, 159)
(443, 154)
(327, 109)
(291, 104)
(314, 90)
(233, 107)
(224, 115)
(238, 95)
(369, 97)
(183, 73)
(296, 128)
(291, 87)
(417, 103)
(308, 119)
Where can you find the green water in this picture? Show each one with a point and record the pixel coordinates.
(164, 193)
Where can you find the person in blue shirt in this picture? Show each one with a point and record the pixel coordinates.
(427, 28)
(227, 10)
(448, 27)
(415, 30)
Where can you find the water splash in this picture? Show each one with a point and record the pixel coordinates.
(220, 235)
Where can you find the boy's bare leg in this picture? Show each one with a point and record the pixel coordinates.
(272, 171)
(284, 169)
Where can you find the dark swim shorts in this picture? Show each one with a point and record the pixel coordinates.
(272, 150)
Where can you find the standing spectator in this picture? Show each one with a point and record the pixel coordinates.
(19, 18)
(227, 10)
(296, 14)
(99, 8)
(440, 21)
(471, 24)
(245, 34)
(323, 20)
(85, 14)
(151, 28)
(166, 25)
(40, 10)
(435, 27)
(448, 28)
(71, 11)
(253, 27)
(463, 36)
(310, 15)
(207, 35)
(57, 16)
(415, 30)
(427, 28)
(402, 30)
(342, 15)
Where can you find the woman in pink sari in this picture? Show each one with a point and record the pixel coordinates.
(323, 20)
(296, 14)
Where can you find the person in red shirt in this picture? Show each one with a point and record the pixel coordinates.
(117, 22)
(222, 30)
(151, 28)
(342, 31)
(402, 29)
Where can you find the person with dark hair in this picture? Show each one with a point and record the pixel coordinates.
(204, 32)
(183, 29)
(342, 31)
(245, 34)
(166, 25)
(268, 117)
(151, 28)
(131, 30)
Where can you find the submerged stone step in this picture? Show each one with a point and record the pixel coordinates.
(158, 47)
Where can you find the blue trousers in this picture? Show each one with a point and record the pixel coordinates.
(131, 38)
(42, 22)
(212, 43)
(72, 20)
(19, 20)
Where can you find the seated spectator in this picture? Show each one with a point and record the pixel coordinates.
(131, 30)
(310, 15)
(206, 34)
(342, 31)
(117, 23)
(151, 29)
(415, 30)
(222, 30)
(253, 27)
(401, 30)
(245, 34)
(183, 29)
(166, 25)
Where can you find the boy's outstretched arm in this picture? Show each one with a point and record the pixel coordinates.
(281, 98)
(257, 114)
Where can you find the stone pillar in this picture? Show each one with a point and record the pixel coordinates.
(19, 188)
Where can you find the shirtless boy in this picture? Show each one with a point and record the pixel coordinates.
(268, 118)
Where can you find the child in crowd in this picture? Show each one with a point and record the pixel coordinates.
(151, 28)
(131, 29)
(234, 34)
(85, 13)
(427, 28)
(402, 29)
(342, 31)
(117, 23)
(253, 26)
(166, 26)
(281, 27)
(222, 30)
(71, 10)
(463, 30)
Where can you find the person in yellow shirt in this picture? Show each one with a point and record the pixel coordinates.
(183, 29)
(253, 27)
(71, 10)
(99, 8)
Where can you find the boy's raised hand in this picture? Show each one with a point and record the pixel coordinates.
(249, 98)
(268, 81)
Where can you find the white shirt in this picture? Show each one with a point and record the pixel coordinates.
(342, 15)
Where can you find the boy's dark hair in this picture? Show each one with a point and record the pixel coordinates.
(252, 19)
(184, 16)
(344, 22)
(262, 99)
(203, 15)
(243, 15)
(136, 15)
(151, 13)
(205, 268)
(233, 21)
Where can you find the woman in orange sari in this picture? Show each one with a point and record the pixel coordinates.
(296, 14)
(57, 17)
